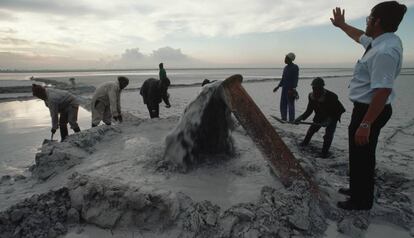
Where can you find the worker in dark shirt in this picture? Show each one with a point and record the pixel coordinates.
(288, 83)
(153, 91)
(163, 74)
(328, 110)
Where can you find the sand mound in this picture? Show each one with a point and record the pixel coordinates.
(113, 205)
(56, 157)
(40, 216)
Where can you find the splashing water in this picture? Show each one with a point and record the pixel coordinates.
(203, 129)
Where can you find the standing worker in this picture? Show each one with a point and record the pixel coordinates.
(163, 75)
(288, 83)
(372, 91)
(328, 110)
(63, 107)
(106, 102)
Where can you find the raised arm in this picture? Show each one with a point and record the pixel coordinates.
(338, 20)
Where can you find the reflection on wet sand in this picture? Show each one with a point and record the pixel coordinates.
(23, 126)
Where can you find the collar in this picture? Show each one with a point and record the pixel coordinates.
(382, 38)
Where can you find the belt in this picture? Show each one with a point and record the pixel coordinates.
(360, 104)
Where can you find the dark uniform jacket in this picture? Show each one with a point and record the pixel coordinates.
(290, 77)
(327, 106)
(153, 91)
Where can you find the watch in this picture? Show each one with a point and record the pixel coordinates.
(364, 125)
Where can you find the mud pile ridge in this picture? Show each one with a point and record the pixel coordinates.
(56, 157)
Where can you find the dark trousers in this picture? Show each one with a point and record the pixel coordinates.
(64, 118)
(327, 138)
(287, 103)
(362, 158)
(154, 110)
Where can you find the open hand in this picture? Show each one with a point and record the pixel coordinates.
(338, 19)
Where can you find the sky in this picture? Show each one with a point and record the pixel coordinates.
(96, 34)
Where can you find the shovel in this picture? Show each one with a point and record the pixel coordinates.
(46, 141)
(297, 123)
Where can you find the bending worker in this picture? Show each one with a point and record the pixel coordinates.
(154, 91)
(106, 102)
(328, 110)
(63, 107)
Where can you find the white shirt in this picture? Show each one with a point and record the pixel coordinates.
(109, 93)
(378, 68)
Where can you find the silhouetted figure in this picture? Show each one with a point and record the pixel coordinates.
(328, 110)
(154, 91)
(288, 83)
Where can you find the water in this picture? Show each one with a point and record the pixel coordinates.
(177, 76)
(23, 127)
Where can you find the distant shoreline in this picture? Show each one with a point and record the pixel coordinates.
(142, 69)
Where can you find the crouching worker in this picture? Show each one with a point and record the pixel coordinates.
(154, 91)
(328, 110)
(106, 102)
(63, 107)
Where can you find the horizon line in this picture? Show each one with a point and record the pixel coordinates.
(170, 68)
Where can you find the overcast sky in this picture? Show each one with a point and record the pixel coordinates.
(70, 34)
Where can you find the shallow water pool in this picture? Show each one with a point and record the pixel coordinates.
(23, 127)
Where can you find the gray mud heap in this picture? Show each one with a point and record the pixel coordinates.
(44, 215)
(203, 129)
(112, 205)
(56, 157)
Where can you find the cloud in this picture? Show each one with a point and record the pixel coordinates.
(168, 53)
(133, 58)
(7, 31)
(9, 42)
(21, 61)
(130, 58)
(7, 16)
(61, 7)
(236, 17)
(154, 20)
(13, 41)
(132, 55)
(105, 28)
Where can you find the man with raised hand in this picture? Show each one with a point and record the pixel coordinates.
(372, 92)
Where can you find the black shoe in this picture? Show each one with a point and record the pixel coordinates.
(348, 205)
(324, 155)
(345, 191)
